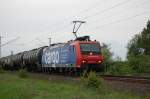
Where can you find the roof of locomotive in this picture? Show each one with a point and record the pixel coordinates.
(83, 39)
(56, 45)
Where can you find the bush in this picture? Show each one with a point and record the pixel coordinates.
(22, 73)
(120, 68)
(91, 80)
(140, 63)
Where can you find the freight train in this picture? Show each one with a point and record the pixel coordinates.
(74, 56)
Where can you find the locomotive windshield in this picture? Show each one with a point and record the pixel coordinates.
(90, 48)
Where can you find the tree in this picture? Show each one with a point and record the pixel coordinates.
(107, 56)
(139, 50)
(140, 43)
(144, 41)
(133, 45)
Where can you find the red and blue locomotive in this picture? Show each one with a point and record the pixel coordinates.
(76, 55)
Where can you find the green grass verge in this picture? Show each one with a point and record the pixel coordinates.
(14, 87)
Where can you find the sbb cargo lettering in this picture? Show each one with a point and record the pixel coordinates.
(51, 57)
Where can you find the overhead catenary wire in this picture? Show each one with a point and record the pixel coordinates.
(95, 14)
(80, 12)
(87, 10)
(66, 28)
(41, 41)
(107, 9)
(57, 25)
(118, 12)
(10, 41)
(117, 5)
(121, 20)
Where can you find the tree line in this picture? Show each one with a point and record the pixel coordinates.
(138, 56)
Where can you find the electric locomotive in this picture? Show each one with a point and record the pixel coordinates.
(73, 56)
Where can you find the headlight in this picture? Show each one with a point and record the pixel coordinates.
(99, 61)
(83, 61)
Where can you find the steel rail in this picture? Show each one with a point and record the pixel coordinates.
(133, 79)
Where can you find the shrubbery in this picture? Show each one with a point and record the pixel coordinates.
(91, 80)
(120, 68)
(140, 63)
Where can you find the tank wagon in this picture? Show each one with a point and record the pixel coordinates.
(73, 56)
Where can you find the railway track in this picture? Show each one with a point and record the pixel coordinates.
(131, 79)
(125, 79)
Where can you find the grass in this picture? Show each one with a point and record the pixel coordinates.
(14, 87)
(22, 73)
(1, 70)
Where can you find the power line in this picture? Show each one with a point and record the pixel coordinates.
(91, 7)
(88, 9)
(41, 41)
(107, 9)
(95, 14)
(124, 19)
(116, 13)
(81, 12)
(1, 45)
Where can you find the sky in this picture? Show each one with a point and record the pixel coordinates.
(27, 24)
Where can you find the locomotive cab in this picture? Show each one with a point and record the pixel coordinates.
(89, 54)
